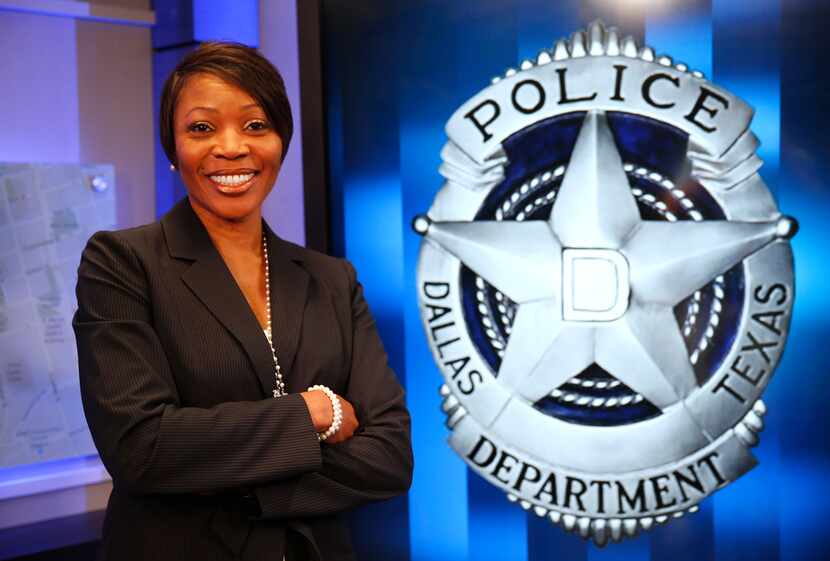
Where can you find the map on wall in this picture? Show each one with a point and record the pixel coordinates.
(47, 213)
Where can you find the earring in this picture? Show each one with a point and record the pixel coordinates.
(172, 167)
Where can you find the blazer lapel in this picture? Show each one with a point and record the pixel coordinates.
(289, 291)
(212, 283)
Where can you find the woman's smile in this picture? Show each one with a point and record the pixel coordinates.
(233, 183)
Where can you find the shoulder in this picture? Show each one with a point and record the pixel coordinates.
(136, 237)
(125, 248)
(113, 274)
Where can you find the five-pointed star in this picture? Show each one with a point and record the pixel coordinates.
(665, 262)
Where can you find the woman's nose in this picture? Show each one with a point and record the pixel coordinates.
(230, 144)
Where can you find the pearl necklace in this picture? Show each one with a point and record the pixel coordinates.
(279, 385)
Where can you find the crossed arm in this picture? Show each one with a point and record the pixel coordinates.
(151, 443)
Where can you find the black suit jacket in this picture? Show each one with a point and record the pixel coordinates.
(176, 381)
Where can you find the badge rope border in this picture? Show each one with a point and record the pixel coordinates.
(526, 272)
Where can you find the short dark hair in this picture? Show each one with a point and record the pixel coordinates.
(237, 64)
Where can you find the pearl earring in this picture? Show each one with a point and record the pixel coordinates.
(172, 167)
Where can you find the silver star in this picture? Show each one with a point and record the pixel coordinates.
(642, 269)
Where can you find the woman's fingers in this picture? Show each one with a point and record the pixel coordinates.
(322, 415)
(319, 407)
(348, 424)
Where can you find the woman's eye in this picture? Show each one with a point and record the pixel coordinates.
(258, 125)
(199, 127)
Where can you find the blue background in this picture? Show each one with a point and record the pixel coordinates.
(394, 72)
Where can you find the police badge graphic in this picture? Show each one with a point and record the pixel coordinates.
(606, 285)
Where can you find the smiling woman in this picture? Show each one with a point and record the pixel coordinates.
(224, 442)
(225, 146)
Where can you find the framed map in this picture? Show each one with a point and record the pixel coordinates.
(47, 214)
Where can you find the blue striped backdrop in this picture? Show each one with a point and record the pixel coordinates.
(395, 71)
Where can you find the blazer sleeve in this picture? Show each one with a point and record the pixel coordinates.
(147, 440)
(377, 462)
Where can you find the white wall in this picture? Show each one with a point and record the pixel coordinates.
(39, 103)
(76, 90)
(80, 91)
(284, 209)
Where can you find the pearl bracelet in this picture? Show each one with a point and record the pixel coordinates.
(337, 417)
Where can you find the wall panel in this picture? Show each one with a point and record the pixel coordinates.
(404, 69)
(40, 95)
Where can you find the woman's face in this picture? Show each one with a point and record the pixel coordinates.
(227, 151)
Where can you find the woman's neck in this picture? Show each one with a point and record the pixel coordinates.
(232, 238)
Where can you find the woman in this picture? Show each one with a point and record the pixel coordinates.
(234, 383)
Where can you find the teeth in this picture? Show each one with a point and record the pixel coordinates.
(232, 180)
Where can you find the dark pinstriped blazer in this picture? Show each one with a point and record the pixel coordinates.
(176, 379)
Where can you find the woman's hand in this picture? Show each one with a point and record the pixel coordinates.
(348, 424)
(322, 415)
